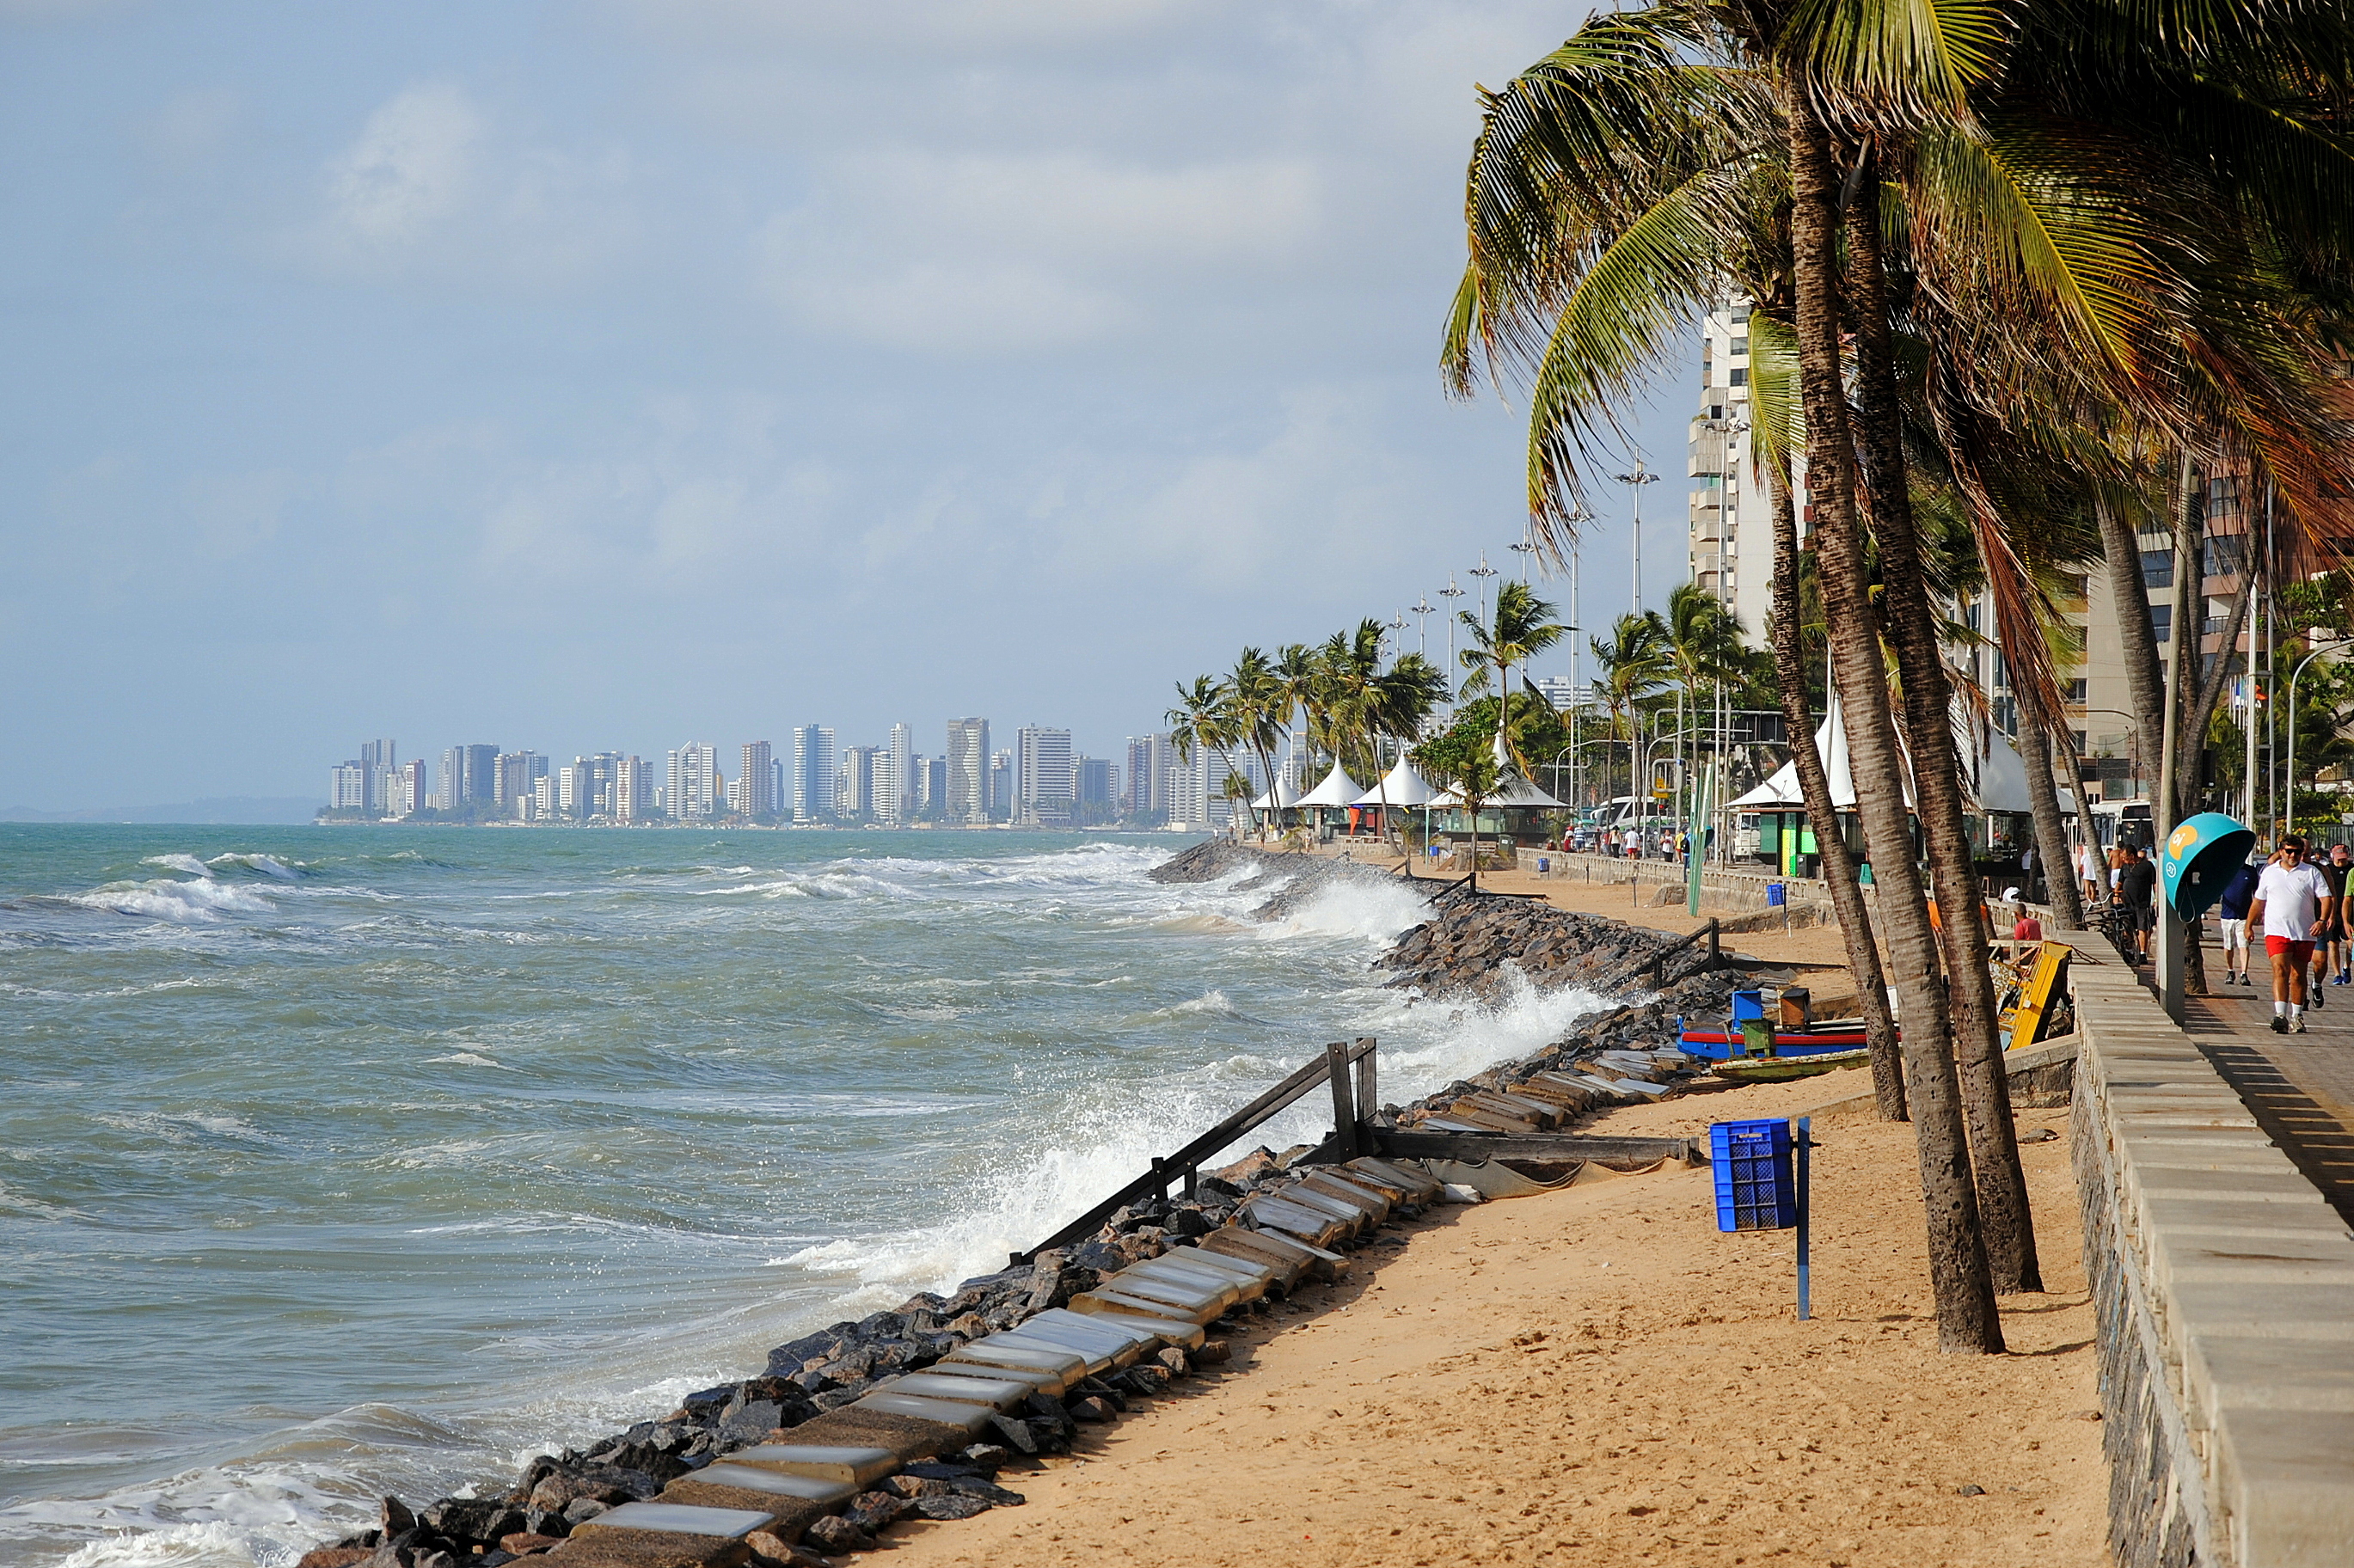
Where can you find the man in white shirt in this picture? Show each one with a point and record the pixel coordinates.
(2094, 874)
(2293, 907)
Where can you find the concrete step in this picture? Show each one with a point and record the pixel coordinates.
(1152, 1329)
(1356, 1217)
(997, 1393)
(996, 1351)
(733, 1472)
(1340, 1182)
(855, 1466)
(1228, 1242)
(1103, 1300)
(1176, 1266)
(1314, 1226)
(1321, 1264)
(967, 1418)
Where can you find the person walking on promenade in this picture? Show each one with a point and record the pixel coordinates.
(2233, 908)
(2293, 907)
(2138, 891)
(2088, 868)
(2334, 957)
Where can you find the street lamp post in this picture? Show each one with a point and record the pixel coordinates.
(1450, 593)
(1484, 571)
(2288, 793)
(1635, 481)
(1422, 609)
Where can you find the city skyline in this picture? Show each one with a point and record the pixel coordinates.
(581, 375)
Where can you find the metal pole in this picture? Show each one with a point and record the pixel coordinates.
(2178, 631)
(1806, 1144)
(2251, 565)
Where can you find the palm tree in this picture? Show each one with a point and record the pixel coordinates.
(1256, 692)
(1298, 690)
(1522, 628)
(1204, 716)
(1635, 666)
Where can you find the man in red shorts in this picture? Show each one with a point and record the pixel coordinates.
(2291, 907)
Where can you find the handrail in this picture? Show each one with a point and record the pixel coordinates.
(1351, 1101)
(1658, 962)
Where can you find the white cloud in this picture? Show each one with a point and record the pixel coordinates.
(976, 251)
(410, 168)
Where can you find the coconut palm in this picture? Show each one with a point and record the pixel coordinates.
(1204, 717)
(1634, 665)
(1521, 628)
(1256, 693)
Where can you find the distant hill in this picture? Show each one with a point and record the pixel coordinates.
(255, 809)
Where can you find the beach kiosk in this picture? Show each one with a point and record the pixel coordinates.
(1401, 789)
(1268, 809)
(1336, 794)
(1514, 813)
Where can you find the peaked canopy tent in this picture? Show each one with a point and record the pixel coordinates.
(1282, 798)
(1401, 786)
(1994, 773)
(1338, 790)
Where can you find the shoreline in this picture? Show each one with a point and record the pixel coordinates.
(809, 1379)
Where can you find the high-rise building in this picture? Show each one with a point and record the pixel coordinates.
(514, 776)
(779, 792)
(633, 790)
(1096, 784)
(1147, 798)
(542, 798)
(895, 792)
(967, 785)
(380, 757)
(348, 788)
(1189, 790)
(863, 770)
(1043, 784)
(813, 773)
(935, 788)
(759, 779)
(692, 791)
(1001, 787)
(1720, 454)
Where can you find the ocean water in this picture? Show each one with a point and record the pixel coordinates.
(341, 1162)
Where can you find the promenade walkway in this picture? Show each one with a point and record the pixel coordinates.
(2300, 1087)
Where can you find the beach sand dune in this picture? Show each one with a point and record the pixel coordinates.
(1598, 1376)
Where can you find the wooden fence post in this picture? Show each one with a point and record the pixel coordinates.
(1344, 1105)
(1369, 1096)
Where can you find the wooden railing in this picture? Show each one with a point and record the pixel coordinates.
(1348, 1067)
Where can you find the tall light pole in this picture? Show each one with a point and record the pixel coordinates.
(1484, 571)
(1635, 481)
(1577, 521)
(1421, 608)
(1450, 593)
(2288, 795)
(1524, 549)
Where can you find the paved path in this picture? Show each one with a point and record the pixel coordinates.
(2300, 1086)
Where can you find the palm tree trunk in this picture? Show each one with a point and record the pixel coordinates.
(2145, 678)
(2050, 836)
(1912, 625)
(1815, 785)
(1967, 1320)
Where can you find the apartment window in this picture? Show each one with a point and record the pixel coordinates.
(1740, 346)
(2082, 737)
(1740, 378)
(2224, 553)
(2077, 693)
(1741, 315)
(2158, 568)
(2161, 620)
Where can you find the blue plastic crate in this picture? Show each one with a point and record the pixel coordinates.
(1748, 1005)
(1756, 1183)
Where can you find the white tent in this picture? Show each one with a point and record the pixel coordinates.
(1338, 789)
(1402, 786)
(1282, 798)
(1511, 789)
(2001, 774)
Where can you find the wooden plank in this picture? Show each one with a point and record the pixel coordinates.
(1531, 1145)
(1344, 1101)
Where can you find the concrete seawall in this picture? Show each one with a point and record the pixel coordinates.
(2223, 1283)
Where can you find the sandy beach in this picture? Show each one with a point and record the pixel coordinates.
(1597, 1375)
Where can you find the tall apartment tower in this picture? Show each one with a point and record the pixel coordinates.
(966, 802)
(1043, 782)
(378, 760)
(1149, 757)
(409, 789)
(348, 786)
(633, 790)
(691, 792)
(514, 776)
(1731, 537)
(895, 794)
(813, 774)
(863, 770)
(757, 782)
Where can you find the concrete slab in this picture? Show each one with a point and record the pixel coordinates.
(1136, 1334)
(1314, 1226)
(1411, 1177)
(1376, 1203)
(1229, 1242)
(679, 1518)
(2221, 1217)
(1045, 1382)
(997, 1350)
(647, 1549)
(1198, 1282)
(857, 1466)
(1323, 1265)
(788, 1516)
(1104, 1299)
(1153, 1330)
(2287, 1480)
(1099, 1356)
(1354, 1216)
(905, 1437)
(2222, 1371)
(969, 1419)
(996, 1393)
(733, 1472)
(1237, 1268)
(1187, 1265)
(2315, 1312)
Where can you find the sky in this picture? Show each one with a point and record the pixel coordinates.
(628, 373)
